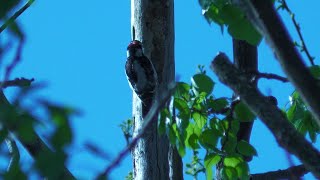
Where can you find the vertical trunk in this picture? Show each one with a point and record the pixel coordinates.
(246, 59)
(153, 24)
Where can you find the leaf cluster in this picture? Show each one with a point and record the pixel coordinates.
(227, 15)
(199, 120)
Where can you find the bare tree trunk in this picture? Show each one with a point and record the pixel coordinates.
(154, 27)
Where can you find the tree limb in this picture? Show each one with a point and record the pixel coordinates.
(18, 82)
(294, 172)
(265, 18)
(271, 76)
(303, 45)
(284, 132)
(15, 15)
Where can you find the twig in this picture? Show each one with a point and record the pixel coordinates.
(296, 25)
(271, 76)
(14, 63)
(294, 172)
(284, 132)
(265, 18)
(147, 122)
(15, 16)
(19, 82)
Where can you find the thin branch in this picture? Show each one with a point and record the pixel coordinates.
(148, 120)
(14, 63)
(15, 15)
(268, 22)
(18, 82)
(284, 132)
(296, 25)
(271, 76)
(294, 172)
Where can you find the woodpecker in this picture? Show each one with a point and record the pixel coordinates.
(140, 72)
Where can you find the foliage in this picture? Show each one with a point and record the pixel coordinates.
(203, 121)
(226, 14)
(21, 121)
(299, 115)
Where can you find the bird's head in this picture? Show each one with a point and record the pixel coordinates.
(135, 49)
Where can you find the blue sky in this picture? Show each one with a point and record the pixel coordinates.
(79, 49)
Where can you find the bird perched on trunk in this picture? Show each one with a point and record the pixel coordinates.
(140, 72)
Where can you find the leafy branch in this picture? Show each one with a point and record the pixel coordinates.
(271, 115)
(303, 46)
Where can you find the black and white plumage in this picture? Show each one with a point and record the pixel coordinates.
(140, 72)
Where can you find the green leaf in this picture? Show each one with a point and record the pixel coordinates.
(232, 161)
(182, 90)
(182, 106)
(229, 173)
(209, 161)
(181, 149)
(202, 83)
(243, 171)
(230, 144)
(235, 126)
(244, 30)
(212, 15)
(246, 149)
(193, 141)
(218, 104)
(46, 162)
(243, 113)
(315, 71)
(200, 119)
(209, 138)
(231, 14)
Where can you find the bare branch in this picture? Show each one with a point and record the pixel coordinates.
(18, 82)
(148, 120)
(15, 15)
(294, 172)
(14, 63)
(271, 76)
(284, 132)
(266, 19)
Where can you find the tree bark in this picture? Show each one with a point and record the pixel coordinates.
(245, 57)
(265, 18)
(284, 132)
(153, 22)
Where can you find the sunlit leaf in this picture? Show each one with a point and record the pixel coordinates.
(202, 83)
(209, 161)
